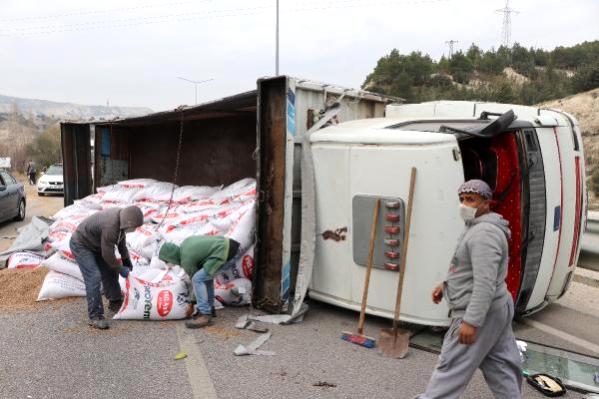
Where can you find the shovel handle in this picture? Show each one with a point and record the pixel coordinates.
(404, 254)
(375, 219)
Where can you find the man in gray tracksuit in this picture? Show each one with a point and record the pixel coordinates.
(93, 245)
(481, 308)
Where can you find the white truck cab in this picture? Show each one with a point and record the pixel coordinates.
(532, 158)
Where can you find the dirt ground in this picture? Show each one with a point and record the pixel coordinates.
(36, 206)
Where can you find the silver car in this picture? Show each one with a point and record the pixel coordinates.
(12, 198)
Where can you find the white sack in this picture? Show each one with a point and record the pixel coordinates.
(24, 260)
(63, 265)
(57, 285)
(243, 228)
(244, 268)
(167, 299)
(234, 293)
(137, 183)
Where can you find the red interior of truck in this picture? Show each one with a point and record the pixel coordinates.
(496, 161)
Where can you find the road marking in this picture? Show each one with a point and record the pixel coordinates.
(583, 343)
(199, 378)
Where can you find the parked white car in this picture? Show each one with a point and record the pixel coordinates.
(51, 181)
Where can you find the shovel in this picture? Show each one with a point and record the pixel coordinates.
(395, 342)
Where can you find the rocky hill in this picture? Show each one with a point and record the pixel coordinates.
(585, 107)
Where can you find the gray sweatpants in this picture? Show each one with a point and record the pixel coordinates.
(495, 352)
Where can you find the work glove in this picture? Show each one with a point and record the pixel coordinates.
(124, 272)
(127, 262)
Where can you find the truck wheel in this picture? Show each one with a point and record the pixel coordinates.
(21, 211)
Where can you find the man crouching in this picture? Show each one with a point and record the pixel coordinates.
(481, 308)
(202, 257)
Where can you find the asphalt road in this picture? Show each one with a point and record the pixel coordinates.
(49, 352)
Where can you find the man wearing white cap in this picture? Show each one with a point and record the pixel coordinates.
(481, 308)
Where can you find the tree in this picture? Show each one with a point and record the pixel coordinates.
(587, 78)
(491, 63)
(461, 67)
(20, 132)
(45, 149)
(474, 54)
(417, 77)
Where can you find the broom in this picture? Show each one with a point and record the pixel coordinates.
(359, 338)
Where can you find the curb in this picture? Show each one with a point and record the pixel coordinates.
(587, 277)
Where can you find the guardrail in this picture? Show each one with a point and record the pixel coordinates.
(589, 254)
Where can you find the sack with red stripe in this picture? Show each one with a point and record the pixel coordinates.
(24, 260)
(166, 297)
(234, 293)
(244, 268)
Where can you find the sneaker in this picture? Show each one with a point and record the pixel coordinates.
(99, 322)
(115, 306)
(199, 321)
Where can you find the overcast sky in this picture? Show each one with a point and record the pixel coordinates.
(131, 52)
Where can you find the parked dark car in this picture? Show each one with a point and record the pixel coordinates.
(12, 198)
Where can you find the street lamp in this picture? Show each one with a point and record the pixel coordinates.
(277, 43)
(195, 83)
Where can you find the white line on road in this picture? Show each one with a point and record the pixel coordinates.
(199, 378)
(583, 343)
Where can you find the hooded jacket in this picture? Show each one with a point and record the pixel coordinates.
(104, 230)
(195, 252)
(476, 277)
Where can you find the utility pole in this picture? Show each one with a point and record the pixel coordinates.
(450, 43)
(277, 42)
(506, 29)
(195, 83)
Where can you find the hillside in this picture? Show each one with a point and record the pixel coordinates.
(64, 111)
(515, 75)
(29, 128)
(585, 107)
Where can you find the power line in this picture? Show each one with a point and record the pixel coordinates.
(107, 11)
(450, 43)
(129, 22)
(148, 20)
(506, 29)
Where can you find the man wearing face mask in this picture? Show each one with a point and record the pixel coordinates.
(93, 246)
(481, 308)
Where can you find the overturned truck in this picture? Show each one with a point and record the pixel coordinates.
(322, 154)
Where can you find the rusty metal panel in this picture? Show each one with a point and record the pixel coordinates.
(76, 153)
(271, 189)
(214, 151)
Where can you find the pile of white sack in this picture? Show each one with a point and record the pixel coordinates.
(152, 291)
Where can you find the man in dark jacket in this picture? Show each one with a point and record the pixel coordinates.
(31, 172)
(93, 245)
(202, 257)
(481, 307)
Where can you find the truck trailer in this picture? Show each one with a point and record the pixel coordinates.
(321, 155)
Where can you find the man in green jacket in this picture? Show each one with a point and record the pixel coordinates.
(202, 257)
